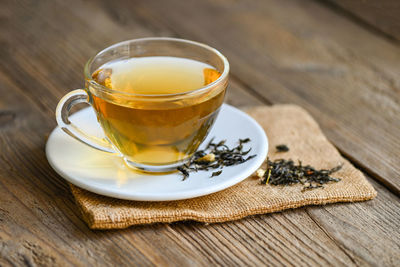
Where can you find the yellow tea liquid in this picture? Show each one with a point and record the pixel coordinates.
(155, 130)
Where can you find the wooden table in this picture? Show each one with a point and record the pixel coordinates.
(324, 57)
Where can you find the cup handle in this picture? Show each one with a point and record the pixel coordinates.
(62, 113)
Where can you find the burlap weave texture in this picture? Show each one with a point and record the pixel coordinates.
(287, 124)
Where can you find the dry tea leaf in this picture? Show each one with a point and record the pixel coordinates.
(282, 148)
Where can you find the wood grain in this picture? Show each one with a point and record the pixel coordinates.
(383, 15)
(43, 48)
(294, 53)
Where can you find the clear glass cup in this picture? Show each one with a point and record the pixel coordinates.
(186, 117)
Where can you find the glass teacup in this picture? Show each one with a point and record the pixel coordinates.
(154, 130)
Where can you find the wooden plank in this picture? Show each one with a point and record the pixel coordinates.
(40, 223)
(301, 52)
(363, 228)
(383, 15)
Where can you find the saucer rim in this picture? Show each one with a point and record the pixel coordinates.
(165, 196)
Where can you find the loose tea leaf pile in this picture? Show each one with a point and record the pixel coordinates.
(286, 172)
(216, 156)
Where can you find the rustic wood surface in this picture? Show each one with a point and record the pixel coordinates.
(382, 15)
(299, 52)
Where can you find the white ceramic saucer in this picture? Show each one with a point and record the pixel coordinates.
(107, 174)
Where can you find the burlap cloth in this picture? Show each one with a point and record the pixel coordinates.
(287, 124)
